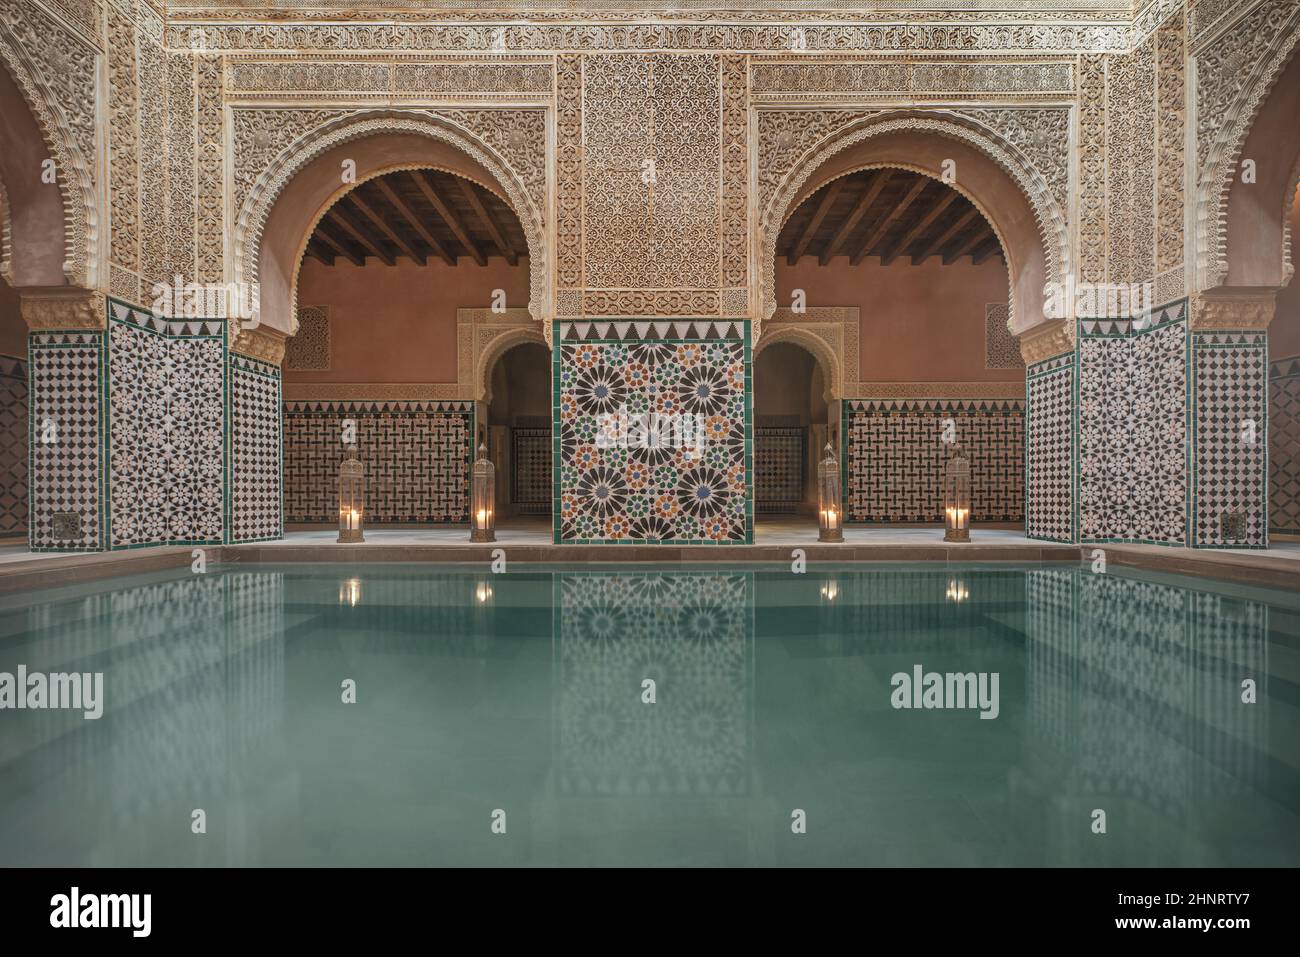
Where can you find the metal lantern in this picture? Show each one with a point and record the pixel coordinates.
(352, 498)
(956, 498)
(830, 516)
(482, 499)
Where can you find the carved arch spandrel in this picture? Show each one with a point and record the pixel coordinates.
(1034, 236)
(56, 71)
(1265, 41)
(827, 342)
(476, 161)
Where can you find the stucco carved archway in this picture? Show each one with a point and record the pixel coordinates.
(497, 347)
(1231, 250)
(291, 194)
(814, 345)
(990, 172)
(53, 241)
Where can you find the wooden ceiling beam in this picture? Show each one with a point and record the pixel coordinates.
(934, 245)
(337, 246)
(381, 224)
(810, 229)
(314, 251)
(987, 252)
(975, 239)
(883, 226)
(338, 219)
(448, 215)
(860, 207)
(504, 246)
(413, 220)
(920, 226)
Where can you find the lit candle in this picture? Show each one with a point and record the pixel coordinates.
(481, 518)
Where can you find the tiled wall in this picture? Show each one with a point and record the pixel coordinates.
(13, 447)
(1049, 449)
(1133, 429)
(1230, 435)
(894, 458)
(66, 434)
(531, 475)
(417, 457)
(256, 497)
(778, 468)
(1284, 446)
(655, 494)
(166, 429)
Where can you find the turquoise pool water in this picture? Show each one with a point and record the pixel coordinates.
(774, 694)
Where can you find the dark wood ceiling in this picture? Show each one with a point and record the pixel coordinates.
(887, 213)
(419, 215)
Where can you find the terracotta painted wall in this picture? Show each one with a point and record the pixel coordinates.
(1284, 331)
(918, 323)
(398, 323)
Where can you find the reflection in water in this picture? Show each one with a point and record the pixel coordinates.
(527, 690)
(689, 633)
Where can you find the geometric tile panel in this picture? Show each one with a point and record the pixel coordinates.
(895, 456)
(1049, 396)
(675, 490)
(166, 436)
(689, 631)
(532, 450)
(1133, 462)
(13, 447)
(1230, 390)
(416, 454)
(778, 468)
(1284, 446)
(65, 429)
(255, 471)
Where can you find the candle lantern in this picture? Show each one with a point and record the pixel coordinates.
(352, 497)
(830, 518)
(482, 499)
(956, 498)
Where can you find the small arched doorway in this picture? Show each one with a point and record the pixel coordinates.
(791, 417)
(518, 428)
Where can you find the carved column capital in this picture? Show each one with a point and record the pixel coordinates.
(1233, 309)
(63, 308)
(1047, 339)
(260, 343)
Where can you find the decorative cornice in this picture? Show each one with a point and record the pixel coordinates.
(1241, 310)
(940, 390)
(260, 343)
(1048, 339)
(63, 308)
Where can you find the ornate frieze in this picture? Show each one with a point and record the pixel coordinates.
(260, 343)
(1092, 169)
(63, 309)
(775, 79)
(1052, 338)
(1171, 113)
(372, 76)
(123, 142)
(1233, 310)
(210, 170)
(1130, 135)
(1047, 34)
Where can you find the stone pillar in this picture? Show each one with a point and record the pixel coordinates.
(1051, 378)
(254, 497)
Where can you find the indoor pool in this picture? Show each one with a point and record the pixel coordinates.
(635, 715)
